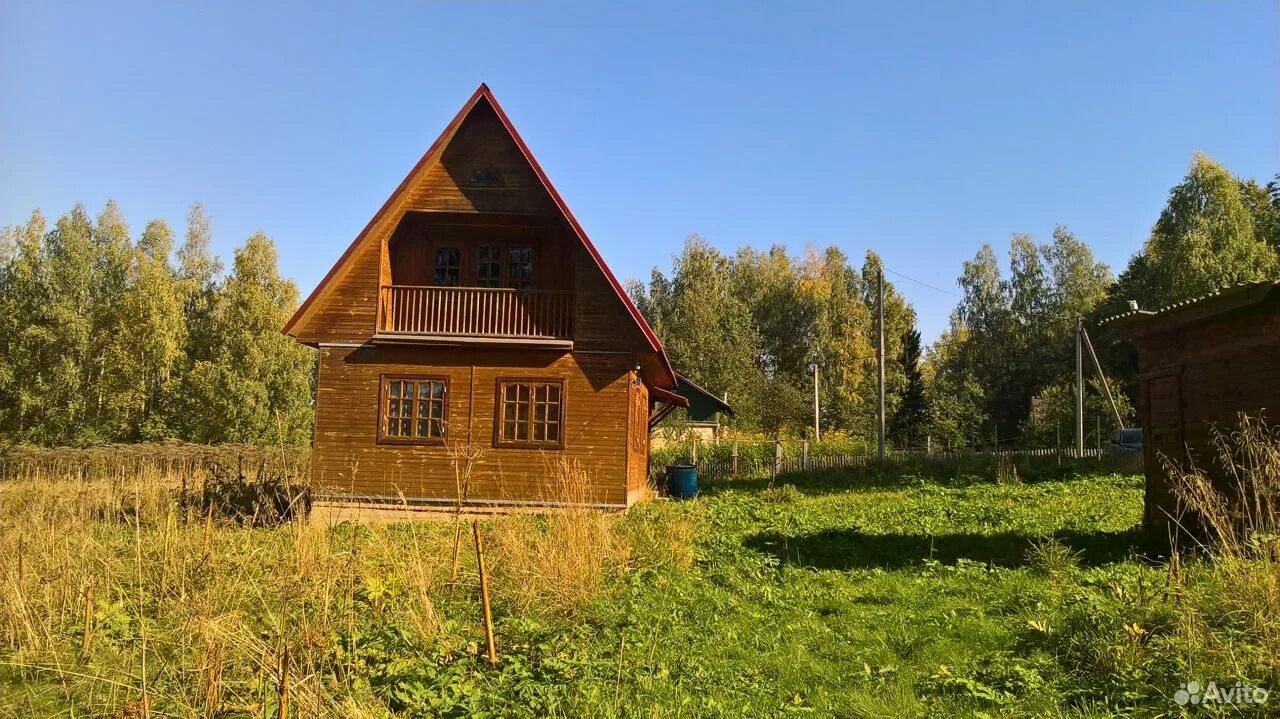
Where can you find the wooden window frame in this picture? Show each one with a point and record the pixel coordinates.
(509, 275)
(384, 384)
(498, 410)
(498, 250)
(457, 268)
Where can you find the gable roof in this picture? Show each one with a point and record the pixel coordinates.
(703, 405)
(432, 156)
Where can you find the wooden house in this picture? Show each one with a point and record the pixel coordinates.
(1201, 363)
(473, 330)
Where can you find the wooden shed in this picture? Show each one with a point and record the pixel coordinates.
(1201, 363)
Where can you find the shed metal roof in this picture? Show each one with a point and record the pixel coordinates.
(1226, 299)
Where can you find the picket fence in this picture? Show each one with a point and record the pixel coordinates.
(735, 466)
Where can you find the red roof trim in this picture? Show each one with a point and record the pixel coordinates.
(668, 397)
(649, 335)
(483, 92)
(439, 144)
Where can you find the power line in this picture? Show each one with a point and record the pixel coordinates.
(926, 284)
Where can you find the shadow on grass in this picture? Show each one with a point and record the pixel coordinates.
(844, 549)
(899, 475)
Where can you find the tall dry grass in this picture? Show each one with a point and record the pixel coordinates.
(118, 599)
(559, 561)
(1236, 520)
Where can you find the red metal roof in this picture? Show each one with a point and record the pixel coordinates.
(483, 92)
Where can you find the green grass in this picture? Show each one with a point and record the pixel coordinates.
(835, 598)
(839, 595)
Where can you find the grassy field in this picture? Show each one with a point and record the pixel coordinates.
(842, 595)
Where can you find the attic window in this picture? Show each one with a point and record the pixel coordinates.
(485, 177)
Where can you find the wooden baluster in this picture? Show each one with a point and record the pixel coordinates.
(383, 308)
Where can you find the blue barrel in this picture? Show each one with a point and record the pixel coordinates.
(682, 481)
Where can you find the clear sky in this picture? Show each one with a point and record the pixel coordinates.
(918, 130)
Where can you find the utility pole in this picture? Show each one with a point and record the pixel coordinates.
(817, 436)
(1102, 378)
(880, 362)
(1079, 387)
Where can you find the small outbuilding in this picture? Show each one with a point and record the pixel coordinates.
(1201, 363)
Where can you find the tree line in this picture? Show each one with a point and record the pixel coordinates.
(753, 324)
(105, 337)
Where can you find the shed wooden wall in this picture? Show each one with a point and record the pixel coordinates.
(348, 459)
(1198, 377)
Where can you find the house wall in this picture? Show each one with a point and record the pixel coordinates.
(482, 143)
(348, 459)
(638, 438)
(1199, 377)
(347, 312)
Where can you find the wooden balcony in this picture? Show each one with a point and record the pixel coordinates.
(473, 315)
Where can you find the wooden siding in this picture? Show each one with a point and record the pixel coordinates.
(347, 311)
(600, 321)
(638, 438)
(1195, 378)
(348, 459)
(482, 143)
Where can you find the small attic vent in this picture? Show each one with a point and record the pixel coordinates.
(484, 177)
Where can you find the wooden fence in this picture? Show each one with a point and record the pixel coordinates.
(736, 465)
(178, 461)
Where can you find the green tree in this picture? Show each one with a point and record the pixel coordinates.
(910, 422)
(1016, 336)
(899, 319)
(707, 330)
(108, 376)
(1205, 239)
(24, 335)
(198, 272)
(953, 396)
(156, 335)
(257, 384)
(1053, 415)
(840, 335)
(62, 350)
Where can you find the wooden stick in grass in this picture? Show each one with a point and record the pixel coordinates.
(463, 486)
(282, 685)
(88, 617)
(484, 596)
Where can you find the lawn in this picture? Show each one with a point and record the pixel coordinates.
(838, 595)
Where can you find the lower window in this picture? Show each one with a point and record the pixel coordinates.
(529, 413)
(413, 410)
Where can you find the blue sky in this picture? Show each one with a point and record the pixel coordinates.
(918, 130)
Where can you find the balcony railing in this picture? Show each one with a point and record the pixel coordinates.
(481, 312)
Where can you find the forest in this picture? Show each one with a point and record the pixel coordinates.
(110, 337)
(752, 324)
